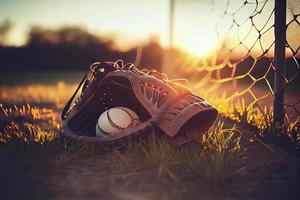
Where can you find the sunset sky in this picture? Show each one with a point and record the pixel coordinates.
(133, 21)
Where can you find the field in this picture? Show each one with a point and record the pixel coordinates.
(228, 162)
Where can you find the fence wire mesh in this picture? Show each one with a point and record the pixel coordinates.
(238, 78)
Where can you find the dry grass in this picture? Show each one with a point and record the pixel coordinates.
(27, 124)
(215, 167)
(56, 94)
(28, 133)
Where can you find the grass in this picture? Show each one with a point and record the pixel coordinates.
(25, 123)
(56, 94)
(218, 166)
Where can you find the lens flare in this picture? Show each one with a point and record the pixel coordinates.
(199, 43)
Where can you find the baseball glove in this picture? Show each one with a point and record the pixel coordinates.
(165, 106)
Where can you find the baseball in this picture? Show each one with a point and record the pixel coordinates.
(115, 119)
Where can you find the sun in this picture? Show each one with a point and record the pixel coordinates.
(199, 43)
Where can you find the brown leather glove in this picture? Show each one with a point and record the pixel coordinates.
(165, 106)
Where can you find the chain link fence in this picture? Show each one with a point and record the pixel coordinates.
(252, 76)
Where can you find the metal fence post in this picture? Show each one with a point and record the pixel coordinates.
(279, 60)
(167, 60)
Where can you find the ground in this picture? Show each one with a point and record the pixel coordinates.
(229, 163)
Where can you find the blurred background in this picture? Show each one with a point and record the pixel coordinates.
(53, 36)
(69, 35)
(48, 35)
(224, 48)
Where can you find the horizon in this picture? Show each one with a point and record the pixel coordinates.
(132, 23)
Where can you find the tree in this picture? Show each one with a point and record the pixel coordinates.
(5, 28)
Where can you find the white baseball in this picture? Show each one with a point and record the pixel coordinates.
(115, 119)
